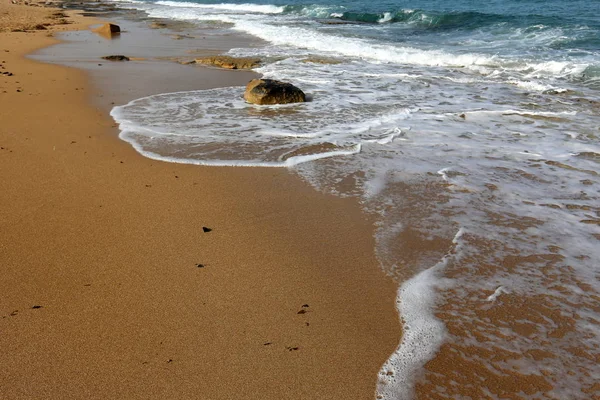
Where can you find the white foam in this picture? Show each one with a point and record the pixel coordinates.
(443, 173)
(533, 86)
(422, 333)
(287, 163)
(356, 47)
(387, 17)
(497, 293)
(236, 8)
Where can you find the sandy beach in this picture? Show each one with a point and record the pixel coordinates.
(110, 287)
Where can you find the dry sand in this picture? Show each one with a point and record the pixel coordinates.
(100, 293)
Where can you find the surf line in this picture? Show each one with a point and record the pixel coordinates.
(422, 332)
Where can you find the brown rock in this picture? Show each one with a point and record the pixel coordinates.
(270, 91)
(321, 60)
(158, 25)
(108, 30)
(230, 62)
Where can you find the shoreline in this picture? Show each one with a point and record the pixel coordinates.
(101, 293)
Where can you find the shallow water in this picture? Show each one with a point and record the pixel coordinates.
(471, 131)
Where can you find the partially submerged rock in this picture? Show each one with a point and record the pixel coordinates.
(270, 91)
(230, 62)
(336, 21)
(157, 25)
(321, 60)
(108, 30)
(179, 37)
(116, 58)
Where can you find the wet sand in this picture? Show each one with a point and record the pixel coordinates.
(111, 288)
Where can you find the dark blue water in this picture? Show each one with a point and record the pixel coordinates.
(517, 35)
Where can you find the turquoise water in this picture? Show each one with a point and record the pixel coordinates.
(472, 124)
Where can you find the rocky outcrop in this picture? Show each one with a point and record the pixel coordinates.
(116, 58)
(230, 62)
(108, 30)
(270, 91)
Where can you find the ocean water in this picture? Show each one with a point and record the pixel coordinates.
(470, 129)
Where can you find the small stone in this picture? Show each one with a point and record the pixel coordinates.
(205, 229)
(118, 57)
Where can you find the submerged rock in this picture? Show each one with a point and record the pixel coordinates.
(116, 58)
(270, 91)
(230, 62)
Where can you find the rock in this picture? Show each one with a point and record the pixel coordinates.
(230, 62)
(180, 37)
(116, 58)
(108, 30)
(157, 25)
(270, 91)
(337, 22)
(321, 60)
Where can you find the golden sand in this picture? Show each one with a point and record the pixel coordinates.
(111, 288)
